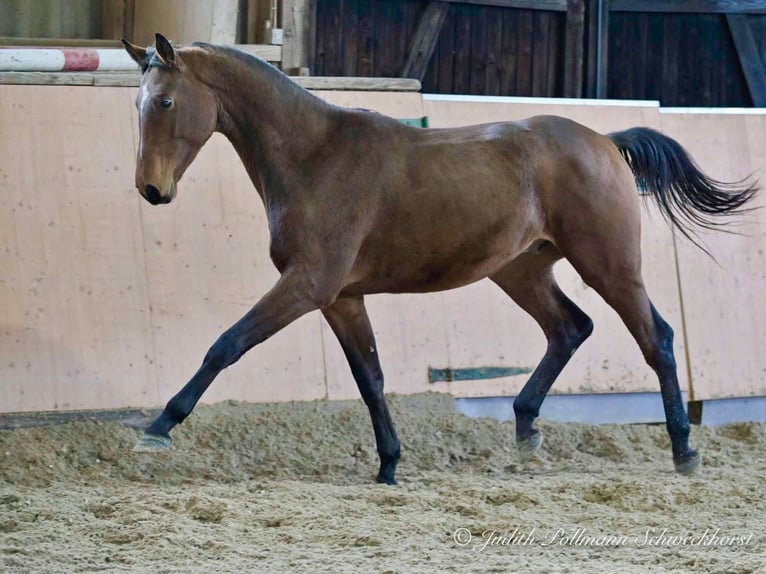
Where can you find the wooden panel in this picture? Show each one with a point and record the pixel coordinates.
(481, 49)
(440, 75)
(691, 6)
(133, 79)
(349, 37)
(74, 305)
(602, 54)
(591, 47)
(423, 42)
(366, 41)
(724, 305)
(113, 25)
(496, 51)
(51, 18)
(185, 22)
(749, 57)
(508, 64)
(478, 50)
(107, 302)
(540, 56)
(494, 54)
(679, 59)
(573, 56)
(223, 28)
(486, 329)
(461, 81)
(553, 5)
(207, 264)
(524, 51)
(298, 25)
(253, 17)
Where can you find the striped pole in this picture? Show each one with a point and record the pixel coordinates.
(65, 60)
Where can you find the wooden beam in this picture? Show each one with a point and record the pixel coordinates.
(550, 5)
(223, 28)
(691, 6)
(113, 19)
(133, 79)
(591, 79)
(424, 39)
(573, 49)
(358, 84)
(130, 19)
(749, 58)
(117, 79)
(59, 42)
(602, 49)
(298, 24)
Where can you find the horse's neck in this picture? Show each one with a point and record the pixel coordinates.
(273, 124)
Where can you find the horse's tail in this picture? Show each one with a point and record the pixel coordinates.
(685, 196)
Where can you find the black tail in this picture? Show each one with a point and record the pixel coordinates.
(685, 195)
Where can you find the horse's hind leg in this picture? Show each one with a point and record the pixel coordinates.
(349, 321)
(530, 283)
(612, 267)
(655, 338)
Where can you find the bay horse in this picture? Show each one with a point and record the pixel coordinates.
(358, 203)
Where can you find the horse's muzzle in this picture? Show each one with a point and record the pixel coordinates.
(152, 195)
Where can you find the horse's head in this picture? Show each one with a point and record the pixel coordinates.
(177, 115)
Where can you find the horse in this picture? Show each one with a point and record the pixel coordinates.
(358, 203)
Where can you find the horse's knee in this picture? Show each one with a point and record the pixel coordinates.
(225, 351)
(581, 325)
(371, 390)
(569, 334)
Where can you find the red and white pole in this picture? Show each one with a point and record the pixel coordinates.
(65, 60)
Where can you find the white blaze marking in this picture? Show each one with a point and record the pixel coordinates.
(144, 98)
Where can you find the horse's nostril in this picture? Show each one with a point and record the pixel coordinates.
(153, 195)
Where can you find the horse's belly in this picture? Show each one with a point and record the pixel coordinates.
(412, 272)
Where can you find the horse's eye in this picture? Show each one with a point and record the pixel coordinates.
(165, 104)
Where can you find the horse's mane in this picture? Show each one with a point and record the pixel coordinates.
(253, 63)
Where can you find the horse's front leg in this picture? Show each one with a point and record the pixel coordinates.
(290, 298)
(349, 321)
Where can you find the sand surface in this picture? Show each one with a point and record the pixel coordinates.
(289, 488)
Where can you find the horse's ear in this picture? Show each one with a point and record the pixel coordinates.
(136, 52)
(165, 50)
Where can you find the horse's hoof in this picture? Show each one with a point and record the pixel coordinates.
(391, 481)
(152, 443)
(529, 446)
(690, 465)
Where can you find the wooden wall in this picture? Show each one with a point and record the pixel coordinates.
(724, 303)
(610, 360)
(51, 18)
(481, 49)
(183, 22)
(490, 50)
(216, 21)
(677, 59)
(106, 301)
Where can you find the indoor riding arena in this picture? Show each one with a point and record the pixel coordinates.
(116, 314)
